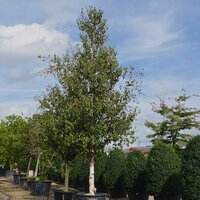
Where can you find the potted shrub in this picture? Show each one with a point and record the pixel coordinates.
(36, 145)
(163, 172)
(113, 173)
(134, 176)
(191, 169)
(39, 186)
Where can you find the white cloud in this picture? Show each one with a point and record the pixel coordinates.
(166, 86)
(148, 34)
(152, 34)
(24, 42)
(27, 108)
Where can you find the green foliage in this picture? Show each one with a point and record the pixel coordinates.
(163, 171)
(12, 133)
(191, 169)
(51, 164)
(42, 177)
(80, 171)
(35, 138)
(100, 166)
(177, 119)
(134, 172)
(88, 107)
(114, 168)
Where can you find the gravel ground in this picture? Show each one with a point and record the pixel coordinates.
(3, 196)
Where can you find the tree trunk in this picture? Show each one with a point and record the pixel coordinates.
(92, 189)
(29, 164)
(37, 165)
(67, 176)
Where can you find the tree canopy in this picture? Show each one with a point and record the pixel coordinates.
(12, 133)
(88, 107)
(177, 120)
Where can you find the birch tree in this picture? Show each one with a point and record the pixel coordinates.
(91, 104)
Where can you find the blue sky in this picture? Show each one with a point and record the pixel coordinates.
(161, 38)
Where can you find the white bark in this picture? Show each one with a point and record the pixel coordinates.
(37, 165)
(92, 189)
(67, 177)
(29, 164)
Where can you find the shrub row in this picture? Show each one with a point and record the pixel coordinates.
(164, 173)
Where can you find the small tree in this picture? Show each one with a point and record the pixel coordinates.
(88, 108)
(191, 169)
(177, 119)
(35, 140)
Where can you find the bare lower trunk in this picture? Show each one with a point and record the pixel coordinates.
(92, 189)
(67, 177)
(37, 165)
(10, 166)
(29, 164)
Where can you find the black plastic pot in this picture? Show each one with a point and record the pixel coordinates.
(175, 197)
(16, 178)
(117, 193)
(138, 196)
(19, 177)
(2, 171)
(39, 188)
(9, 173)
(62, 195)
(23, 182)
(84, 196)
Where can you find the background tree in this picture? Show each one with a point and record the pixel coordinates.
(12, 132)
(89, 107)
(35, 140)
(191, 170)
(177, 120)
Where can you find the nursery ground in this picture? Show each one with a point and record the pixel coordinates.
(11, 191)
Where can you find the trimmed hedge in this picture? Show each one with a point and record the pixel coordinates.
(191, 169)
(80, 172)
(163, 171)
(99, 170)
(134, 172)
(114, 167)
